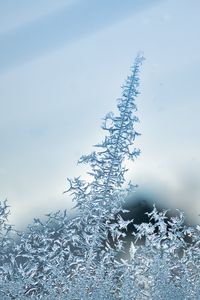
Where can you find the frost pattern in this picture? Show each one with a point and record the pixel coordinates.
(90, 256)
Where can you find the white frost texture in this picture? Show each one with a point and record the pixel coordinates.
(91, 256)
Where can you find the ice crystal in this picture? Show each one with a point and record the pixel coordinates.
(89, 256)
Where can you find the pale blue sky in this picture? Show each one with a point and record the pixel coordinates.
(61, 67)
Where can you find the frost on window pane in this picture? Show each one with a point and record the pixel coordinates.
(89, 256)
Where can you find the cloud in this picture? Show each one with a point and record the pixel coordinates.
(61, 27)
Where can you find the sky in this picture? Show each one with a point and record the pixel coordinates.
(62, 65)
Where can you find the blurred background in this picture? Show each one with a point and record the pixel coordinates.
(61, 67)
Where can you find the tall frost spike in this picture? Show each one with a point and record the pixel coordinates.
(107, 162)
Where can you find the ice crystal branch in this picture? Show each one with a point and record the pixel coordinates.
(102, 198)
(106, 163)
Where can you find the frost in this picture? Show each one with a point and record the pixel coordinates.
(91, 256)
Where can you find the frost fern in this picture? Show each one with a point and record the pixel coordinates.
(86, 257)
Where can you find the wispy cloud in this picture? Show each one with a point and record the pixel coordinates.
(61, 27)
